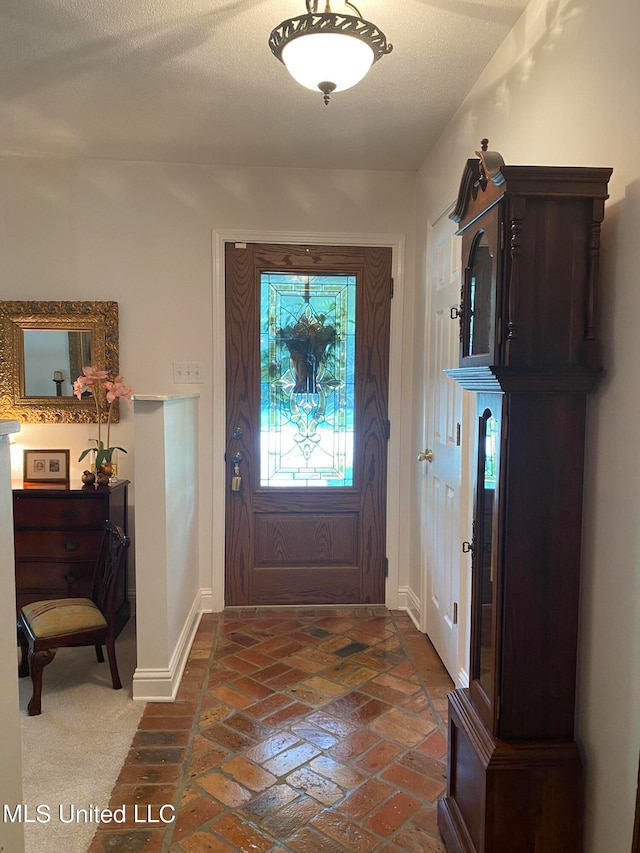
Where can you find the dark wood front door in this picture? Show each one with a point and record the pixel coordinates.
(307, 343)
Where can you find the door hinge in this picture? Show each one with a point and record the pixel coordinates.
(391, 287)
(455, 612)
(386, 567)
(458, 431)
(388, 430)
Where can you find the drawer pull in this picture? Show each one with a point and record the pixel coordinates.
(70, 513)
(70, 578)
(71, 546)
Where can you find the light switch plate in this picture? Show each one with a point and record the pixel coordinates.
(187, 372)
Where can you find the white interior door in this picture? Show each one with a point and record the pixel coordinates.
(445, 483)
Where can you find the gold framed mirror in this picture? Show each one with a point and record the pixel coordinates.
(43, 348)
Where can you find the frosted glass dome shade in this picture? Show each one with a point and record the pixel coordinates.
(336, 58)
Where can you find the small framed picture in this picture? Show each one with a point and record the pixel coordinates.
(46, 466)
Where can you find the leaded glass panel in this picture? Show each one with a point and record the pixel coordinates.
(307, 347)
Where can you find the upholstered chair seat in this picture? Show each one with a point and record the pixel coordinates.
(57, 617)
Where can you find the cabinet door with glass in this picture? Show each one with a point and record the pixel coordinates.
(485, 559)
(480, 312)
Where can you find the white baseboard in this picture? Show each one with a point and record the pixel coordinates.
(410, 603)
(207, 601)
(161, 685)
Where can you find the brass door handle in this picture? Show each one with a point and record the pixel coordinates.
(425, 456)
(236, 479)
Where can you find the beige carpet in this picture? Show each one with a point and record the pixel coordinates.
(72, 753)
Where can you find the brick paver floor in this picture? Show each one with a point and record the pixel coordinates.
(305, 730)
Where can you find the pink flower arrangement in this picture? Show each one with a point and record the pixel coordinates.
(105, 390)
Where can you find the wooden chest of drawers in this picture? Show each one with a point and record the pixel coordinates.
(57, 538)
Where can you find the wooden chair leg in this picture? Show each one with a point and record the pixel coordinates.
(99, 654)
(23, 666)
(113, 666)
(37, 662)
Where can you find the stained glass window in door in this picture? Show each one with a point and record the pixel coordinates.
(307, 348)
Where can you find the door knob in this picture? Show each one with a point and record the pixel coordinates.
(425, 456)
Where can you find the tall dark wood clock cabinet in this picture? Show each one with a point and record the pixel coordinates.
(528, 345)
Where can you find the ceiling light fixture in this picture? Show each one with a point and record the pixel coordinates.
(328, 51)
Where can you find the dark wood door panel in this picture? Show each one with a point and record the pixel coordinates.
(275, 536)
(313, 539)
(308, 585)
(298, 501)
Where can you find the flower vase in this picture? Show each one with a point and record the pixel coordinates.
(107, 473)
(114, 468)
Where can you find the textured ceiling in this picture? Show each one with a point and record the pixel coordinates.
(194, 81)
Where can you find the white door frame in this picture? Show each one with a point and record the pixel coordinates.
(215, 599)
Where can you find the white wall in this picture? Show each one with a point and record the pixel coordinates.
(168, 600)
(564, 90)
(141, 234)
